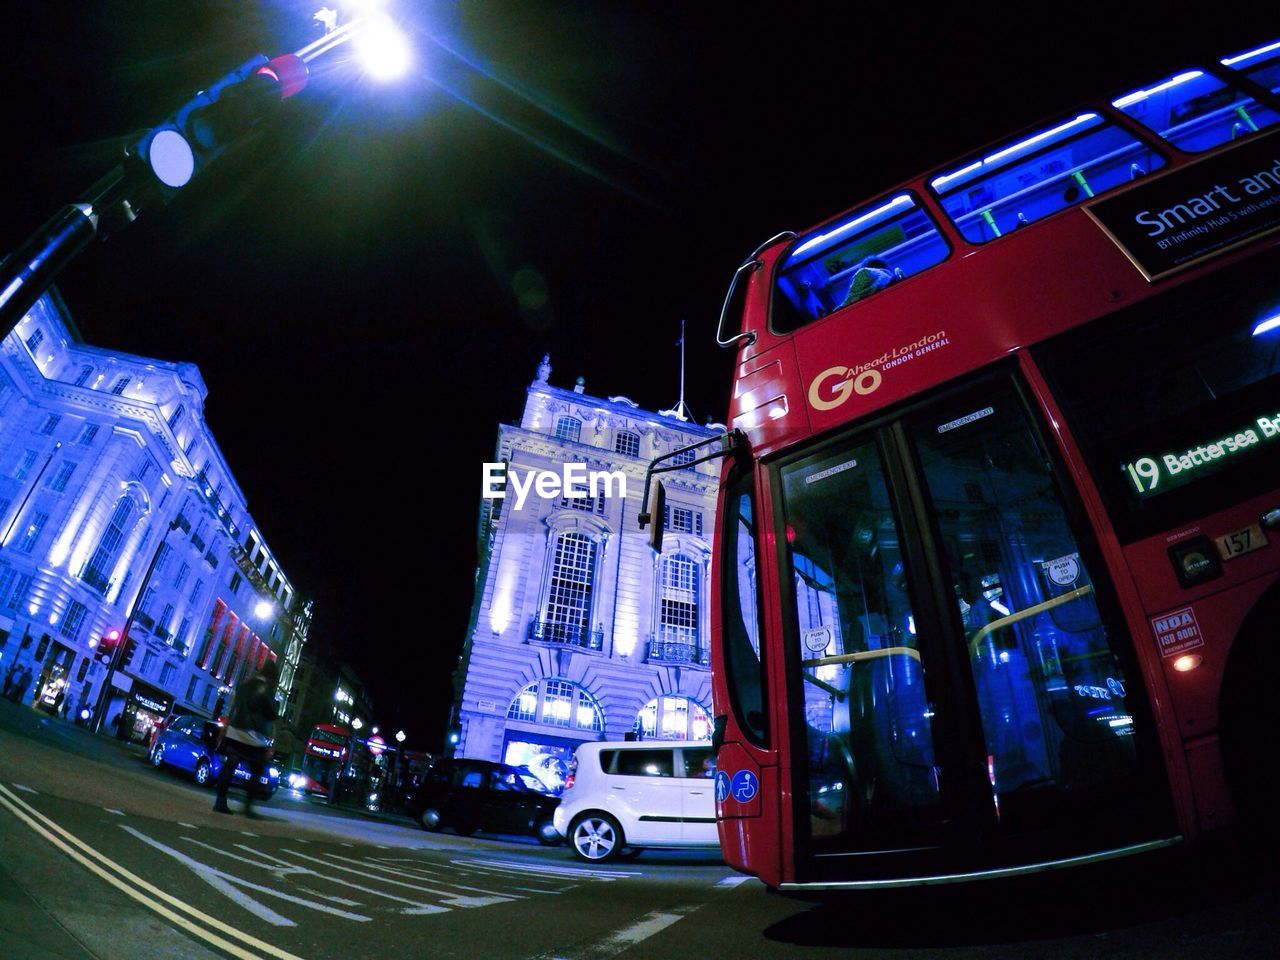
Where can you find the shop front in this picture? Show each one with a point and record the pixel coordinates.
(144, 710)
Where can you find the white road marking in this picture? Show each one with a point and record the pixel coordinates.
(732, 881)
(118, 813)
(454, 900)
(419, 875)
(624, 939)
(526, 869)
(24, 788)
(189, 826)
(229, 885)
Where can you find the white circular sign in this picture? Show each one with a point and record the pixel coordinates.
(818, 639)
(1064, 571)
(171, 158)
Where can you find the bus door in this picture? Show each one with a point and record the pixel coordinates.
(1068, 748)
(962, 699)
(868, 758)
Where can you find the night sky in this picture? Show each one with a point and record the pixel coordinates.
(369, 284)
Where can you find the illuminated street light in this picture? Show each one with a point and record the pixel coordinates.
(161, 161)
(357, 723)
(399, 736)
(382, 49)
(264, 610)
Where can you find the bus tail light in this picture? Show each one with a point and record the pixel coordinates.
(1187, 662)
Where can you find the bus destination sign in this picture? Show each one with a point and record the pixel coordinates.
(1207, 208)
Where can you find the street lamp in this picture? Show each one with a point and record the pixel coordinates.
(162, 160)
(399, 736)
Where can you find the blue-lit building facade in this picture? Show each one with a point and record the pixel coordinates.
(578, 630)
(115, 498)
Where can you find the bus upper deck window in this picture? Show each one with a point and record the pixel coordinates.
(1195, 111)
(1262, 65)
(853, 257)
(1040, 174)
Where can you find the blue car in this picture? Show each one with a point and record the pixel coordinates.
(184, 744)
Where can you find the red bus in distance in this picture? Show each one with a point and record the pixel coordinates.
(323, 758)
(997, 556)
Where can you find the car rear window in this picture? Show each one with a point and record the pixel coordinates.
(645, 763)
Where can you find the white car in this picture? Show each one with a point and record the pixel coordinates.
(638, 795)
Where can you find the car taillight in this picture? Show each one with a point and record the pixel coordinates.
(568, 782)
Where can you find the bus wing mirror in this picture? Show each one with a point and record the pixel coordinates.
(657, 517)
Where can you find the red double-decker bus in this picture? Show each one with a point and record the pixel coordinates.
(998, 554)
(326, 753)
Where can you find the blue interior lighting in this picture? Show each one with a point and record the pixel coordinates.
(1267, 325)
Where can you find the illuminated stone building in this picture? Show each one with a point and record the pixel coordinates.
(114, 498)
(578, 630)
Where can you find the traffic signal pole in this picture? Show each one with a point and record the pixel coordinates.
(157, 164)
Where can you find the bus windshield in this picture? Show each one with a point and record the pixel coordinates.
(1177, 402)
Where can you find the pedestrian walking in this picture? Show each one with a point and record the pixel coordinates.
(247, 737)
(8, 680)
(20, 686)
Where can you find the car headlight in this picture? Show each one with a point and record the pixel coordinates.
(273, 771)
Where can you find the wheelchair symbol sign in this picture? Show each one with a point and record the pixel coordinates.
(722, 786)
(744, 786)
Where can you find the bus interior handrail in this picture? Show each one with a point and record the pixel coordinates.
(1031, 611)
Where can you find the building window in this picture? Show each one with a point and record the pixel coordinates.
(87, 433)
(684, 457)
(679, 519)
(586, 504)
(678, 613)
(120, 385)
(672, 718)
(19, 592)
(236, 580)
(63, 476)
(71, 623)
(167, 673)
(176, 416)
(567, 615)
(166, 618)
(207, 695)
(50, 424)
(191, 688)
(34, 341)
(32, 533)
(83, 377)
(557, 703)
(627, 444)
(25, 464)
(569, 428)
(180, 638)
(195, 591)
(148, 663)
(104, 557)
(144, 468)
(180, 578)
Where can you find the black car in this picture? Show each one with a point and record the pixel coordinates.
(471, 795)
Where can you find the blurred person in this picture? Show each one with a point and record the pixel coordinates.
(247, 736)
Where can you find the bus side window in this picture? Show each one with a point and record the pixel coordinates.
(743, 660)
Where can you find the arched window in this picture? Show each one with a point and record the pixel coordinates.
(557, 703)
(672, 717)
(566, 617)
(99, 567)
(568, 428)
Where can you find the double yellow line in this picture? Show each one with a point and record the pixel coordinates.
(195, 922)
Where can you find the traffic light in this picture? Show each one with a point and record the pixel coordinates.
(173, 152)
(107, 646)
